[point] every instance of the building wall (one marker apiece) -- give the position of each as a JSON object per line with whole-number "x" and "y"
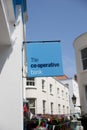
{"x": 54, "y": 97}
{"x": 73, "y": 89}
{"x": 79, "y": 44}
{"x": 11, "y": 109}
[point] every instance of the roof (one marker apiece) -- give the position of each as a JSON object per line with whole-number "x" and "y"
{"x": 61, "y": 77}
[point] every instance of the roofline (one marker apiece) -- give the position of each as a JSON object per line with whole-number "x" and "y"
{"x": 78, "y": 37}
{"x": 61, "y": 83}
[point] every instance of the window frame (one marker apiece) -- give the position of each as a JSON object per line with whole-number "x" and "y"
{"x": 58, "y": 92}
{"x": 84, "y": 58}
{"x": 86, "y": 92}
{"x": 51, "y": 107}
{"x": 63, "y": 109}
{"x": 30, "y": 81}
{"x": 32, "y": 107}
{"x": 51, "y": 88}
{"x": 44, "y": 106}
{"x": 43, "y": 84}
{"x": 59, "y": 110}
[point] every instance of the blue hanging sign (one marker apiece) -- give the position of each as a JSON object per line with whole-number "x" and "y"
{"x": 44, "y": 59}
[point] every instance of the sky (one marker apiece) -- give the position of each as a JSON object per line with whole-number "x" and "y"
{"x": 61, "y": 20}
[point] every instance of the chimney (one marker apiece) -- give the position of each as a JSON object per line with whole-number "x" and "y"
{"x": 75, "y": 77}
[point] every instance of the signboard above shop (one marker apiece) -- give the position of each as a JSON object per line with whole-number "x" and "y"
{"x": 44, "y": 59}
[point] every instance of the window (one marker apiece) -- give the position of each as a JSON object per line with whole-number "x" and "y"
{"x": 67, "y": 84}
{"x": 62, "y": 94}
{"x": 84, "y": 58}
{"x": 50, "y": 88}
{"x": 43, "y": 84}
{"x": 86, "y": 91}
{"x": 58, "y": 108}
{"x": 44, "y": 106}
{"x": 67, "y": 110}
{"x": 66, "y": 95}
{"x": 32, "y": 105}
{"x": 30, "y": 81}
{"x": 63, "y": 109}
{"x": 58, "y": 91}
{"x": 51, "y": 107}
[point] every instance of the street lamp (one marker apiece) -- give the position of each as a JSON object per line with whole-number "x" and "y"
{"x": 74, "y": 99}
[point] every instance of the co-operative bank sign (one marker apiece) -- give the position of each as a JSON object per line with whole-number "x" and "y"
{"x": 44, "y": 59}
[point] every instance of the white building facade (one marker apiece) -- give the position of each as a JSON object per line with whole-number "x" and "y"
{"x": 80, "y": 46}
{"x": 12, "y": 35}
{"x": 73, "y": 90}
{"x": 47, "y": 96}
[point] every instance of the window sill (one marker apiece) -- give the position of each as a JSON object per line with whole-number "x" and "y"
{"x": 83, "y": 71}
{"x": 31, "y": 87}
{"x": 51, "y": 94}
{"x": 44, "y": 91}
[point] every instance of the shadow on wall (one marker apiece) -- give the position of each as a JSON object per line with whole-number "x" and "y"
{"x": 5, "y": 52}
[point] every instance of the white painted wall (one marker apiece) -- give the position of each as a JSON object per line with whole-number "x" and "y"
{"x": 79, "y": 43}
{"x": 11, "y": 112}
{"x": 73, "y": 89}
{"x": 36, "y": 92}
